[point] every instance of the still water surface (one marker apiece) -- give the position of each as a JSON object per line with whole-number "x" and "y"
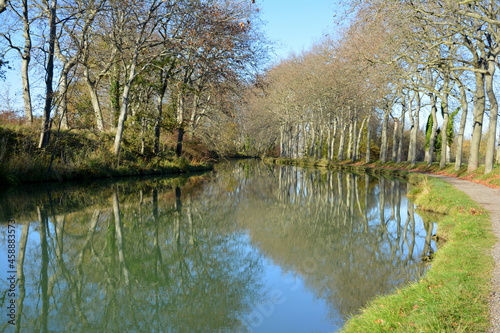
{"x": 246, "y": 248}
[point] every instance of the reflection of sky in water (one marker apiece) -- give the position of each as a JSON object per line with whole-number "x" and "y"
{"x": 289, "y": 305}
{"x": 289, "y": 296}
{"x": 295, "y": 308}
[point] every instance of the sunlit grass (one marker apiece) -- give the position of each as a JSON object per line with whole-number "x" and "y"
{"x": 453, "y": 296}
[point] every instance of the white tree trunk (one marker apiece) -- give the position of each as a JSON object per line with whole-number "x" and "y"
{"x": 415, "y": 124}
{"x": 340, "y": 155}
{"x": 123, "y": 110}
{"x": 332, "y": 143}
{"x": 352, "y": 124}
{"x": 383, "y": 144}
{"x": 394, "y": 139}
{"x": 94, "y": 98}
{"x": 26, "y": 58}
{"x": 477, "y": 127}
{"x": 461, "y": 130}
{"x": 400, "y": 134}
{"x": 444, "y": 128}
{"x": 492, "y": 129}
{"x": 358, "y": 141}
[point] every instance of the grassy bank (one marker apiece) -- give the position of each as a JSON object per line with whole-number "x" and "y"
{"x": 453, "y": 296}
{"x": 74, "y": 155}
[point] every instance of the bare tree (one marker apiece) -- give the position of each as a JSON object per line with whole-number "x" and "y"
{"x": 51, "y": 8}
{"x": 23, "y": 13}
{"x": 140, "y": 20}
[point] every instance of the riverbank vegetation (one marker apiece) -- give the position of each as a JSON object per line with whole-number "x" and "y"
{"x": 81, "y": 154}
{"x": 398, "y": 81}
{"x": 454, "y": 294}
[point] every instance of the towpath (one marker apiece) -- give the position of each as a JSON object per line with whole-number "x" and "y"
{"x": 489, "y": 198}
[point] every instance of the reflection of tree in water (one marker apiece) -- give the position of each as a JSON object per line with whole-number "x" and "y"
{"x": 155, "y": 258}
{"x": 168, "y": 255}
{"x": 344, "y": 234}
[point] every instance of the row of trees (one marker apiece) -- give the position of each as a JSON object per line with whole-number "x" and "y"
{"x": 398, "y": 63}
{"x": 143, "y": 66}
{"x": 112, "y": 65}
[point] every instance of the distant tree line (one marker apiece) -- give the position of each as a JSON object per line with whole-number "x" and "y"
{"x": 398, "y": 67}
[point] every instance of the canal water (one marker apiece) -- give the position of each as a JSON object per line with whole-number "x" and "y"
{"x": 248, "y": 247}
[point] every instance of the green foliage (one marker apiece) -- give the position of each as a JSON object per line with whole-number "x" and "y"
{"x": 428, "y": 131}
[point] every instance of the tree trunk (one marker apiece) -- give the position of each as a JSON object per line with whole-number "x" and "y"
{"x": 368, "y": 140}
{"x": 498, "y": 152}
{"x": 358, "y": 142}
{"x": 352, "y": 124}
{"x": 94, "y": 98}
{"x": 444, "y": 128}
{"x": 26, "y": 58}
{"x": 328, "y": 140}
{"x": 320, "y": 145}
{"x": 62, "y": 105}
{"x": 180, "y": 138}
{"x": 415, "y": 124}
{"x": 159, "y": 115}
{"x": 180, "y": 125}
{"x": 312, "y": 143}
{"x": 123, "y": 111}
{"x": 492, "y": 129}
{"x": 477, "y": 127}
{"x": 46, "y": 121}
{"x": 432, "y": 140}
{"x": 62, "y": 108}
{"x": 401, "y": 134}
{"x": 332, "y": 143}
{"x": 383, "y": 144}
{"x": 340, "y": 155}
{"x": 114, "y": 92}
{"x": 282, "y": 141}
{"x": 394, "y": 139}
{"x": 461, "y": 130}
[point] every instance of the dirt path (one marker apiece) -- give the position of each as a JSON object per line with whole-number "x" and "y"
{"x": 489, "y": 198}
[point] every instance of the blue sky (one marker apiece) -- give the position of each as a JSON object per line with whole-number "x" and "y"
{"x": 295, "y": 25}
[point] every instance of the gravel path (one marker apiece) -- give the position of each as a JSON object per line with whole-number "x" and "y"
{"x": 489, "y": 198}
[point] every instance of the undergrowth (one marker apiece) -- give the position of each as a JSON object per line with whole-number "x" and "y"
{"x": 76, "y": 154}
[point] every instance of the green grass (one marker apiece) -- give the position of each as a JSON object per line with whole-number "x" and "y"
{"x": 453, "y": 296}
